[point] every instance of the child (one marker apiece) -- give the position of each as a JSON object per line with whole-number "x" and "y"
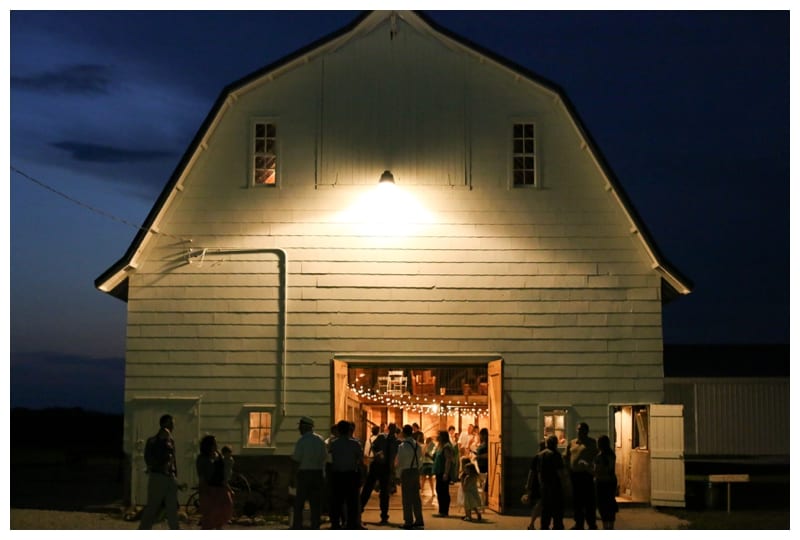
{"x": 227, "y": 460}
{"x": 469, "y": 486}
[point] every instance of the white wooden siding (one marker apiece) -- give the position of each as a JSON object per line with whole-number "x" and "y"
{"x": 385, "y": 108}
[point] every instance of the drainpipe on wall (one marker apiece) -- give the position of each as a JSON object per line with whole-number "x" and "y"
{"x": 283, "y": 263}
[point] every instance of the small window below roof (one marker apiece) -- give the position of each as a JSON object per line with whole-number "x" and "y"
{"x": 264, "y": 141}
{"x": 523, "y": 156}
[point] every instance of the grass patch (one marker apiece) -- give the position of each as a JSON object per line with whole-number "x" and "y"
{"x": 737, "y": 519}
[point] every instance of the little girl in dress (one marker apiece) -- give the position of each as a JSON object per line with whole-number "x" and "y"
{"x": 469, "y": 485}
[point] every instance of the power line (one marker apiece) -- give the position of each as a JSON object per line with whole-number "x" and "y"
{"x": 90, "y": 207}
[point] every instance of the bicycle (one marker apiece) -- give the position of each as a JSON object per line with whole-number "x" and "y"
{"x": 241, "y": 494}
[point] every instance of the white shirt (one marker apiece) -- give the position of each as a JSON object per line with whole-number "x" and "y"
{"x": 405, "y": 454}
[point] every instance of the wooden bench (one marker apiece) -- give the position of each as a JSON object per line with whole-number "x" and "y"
{"x": 728, "y": 479}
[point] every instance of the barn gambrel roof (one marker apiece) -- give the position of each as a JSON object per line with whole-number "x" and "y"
{"x": 115, "y": 279}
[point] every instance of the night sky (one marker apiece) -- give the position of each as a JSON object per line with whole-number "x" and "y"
{"x": 690, "y": 109}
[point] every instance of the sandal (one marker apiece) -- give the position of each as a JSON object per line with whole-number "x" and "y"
{"x": 466, "y": 518}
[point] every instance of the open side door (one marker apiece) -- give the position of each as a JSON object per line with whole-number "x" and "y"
{"x": 339, "y": 378}
{"x": 667, "y": 483}
{"x": 495, "y": 476}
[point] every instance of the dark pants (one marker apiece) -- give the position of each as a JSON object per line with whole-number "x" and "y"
{"x": 552, "y": 506}
{"x": 378, "y": 472}
{"x": 412, "y": 502}
{"x": 344, "y": 495}
{"x": 309, "y": 488}
{"x": 443, "y": 495}
{"x": 583, "y": 500}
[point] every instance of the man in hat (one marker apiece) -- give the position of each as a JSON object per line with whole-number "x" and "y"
{"x": 310, "y": 456}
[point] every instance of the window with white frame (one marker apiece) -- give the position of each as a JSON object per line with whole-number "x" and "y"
{"x": 257, "y": 432}
{"x": 554, "y": 422}
{"x": 265, "y": 154}
{"x": 523, "y": 162}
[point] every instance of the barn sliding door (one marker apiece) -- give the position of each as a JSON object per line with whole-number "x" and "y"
{"x": 495, "y": 476}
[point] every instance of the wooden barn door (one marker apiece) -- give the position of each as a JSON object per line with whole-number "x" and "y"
{"x": 495, "y": 476}
{"x": 339, "y": 378}
{"x": 667, "y": 481}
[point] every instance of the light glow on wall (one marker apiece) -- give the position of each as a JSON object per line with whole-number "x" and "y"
{"x": 387, "y": 210}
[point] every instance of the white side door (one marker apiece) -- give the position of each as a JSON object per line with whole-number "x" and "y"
{"x": 667, "y": 476}
{"x": 145, "y": 413}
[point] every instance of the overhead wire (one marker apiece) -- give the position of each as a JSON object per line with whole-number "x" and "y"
{"x": 92, "y": 208}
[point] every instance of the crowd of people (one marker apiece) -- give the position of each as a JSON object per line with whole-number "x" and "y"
{"x": 390, "y": 456}
{"x": 349, "y": 473}
{"x": 587, "y": 471}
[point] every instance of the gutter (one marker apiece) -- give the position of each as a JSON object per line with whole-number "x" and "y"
{"x": 284, "y": 302}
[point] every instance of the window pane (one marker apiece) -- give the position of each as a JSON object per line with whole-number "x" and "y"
{"x": 518, "y": 163}
{"x": 529, "y": 130}
{"x": 529, "y": 146}
{"x": 529, "y": 178}
{"x": 529, "y": 163}
{"x": 517, "y": 130}
{"x": 271, "y": 130}
{"x": 518, "y": 178}
{"x": 260, "y": 146}
{"x": 260, "y": 130}
{"x": 270, "y": 146}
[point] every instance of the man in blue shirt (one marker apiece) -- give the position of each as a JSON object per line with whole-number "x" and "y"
{"x": 310, "y": 455}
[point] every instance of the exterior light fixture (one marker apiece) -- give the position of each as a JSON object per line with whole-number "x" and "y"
{"x": 387, "y": 176}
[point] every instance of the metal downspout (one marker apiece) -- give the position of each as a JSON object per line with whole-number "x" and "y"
{"x": 283, "y": 263}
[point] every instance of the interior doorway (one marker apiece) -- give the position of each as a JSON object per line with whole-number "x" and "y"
{"x": 434, "y": 394}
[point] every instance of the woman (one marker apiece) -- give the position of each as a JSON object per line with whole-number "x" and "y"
{"x": 442, "y": 463}
{"x": 216, "y": 504}
{"x": 426, "y": 468}
{"x": 605, "y": 481}
{"x": 482, "y": 460}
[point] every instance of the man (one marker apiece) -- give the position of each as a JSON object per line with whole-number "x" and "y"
{"x": 162, "y": 471}
{"x": 380, "y": 470}
{"x": 368, "y": 445}
{"x": 550, "y": 470}
{"x": 580, "y": 456}
{"x": 409, "y": 455}
{"x": 346, "y": 458}
{"x": 451, "y": 432}
{"x": 310, "y": 456}
{"x": 464, "y": 441}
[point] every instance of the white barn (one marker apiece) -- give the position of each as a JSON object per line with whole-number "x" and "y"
{"x": 275, "y": 273}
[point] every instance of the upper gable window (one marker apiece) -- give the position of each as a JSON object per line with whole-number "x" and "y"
{"x": 523, "y": 159}
{"x": 265, "y": 154}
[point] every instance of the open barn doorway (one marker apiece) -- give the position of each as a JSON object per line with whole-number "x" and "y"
{"x": 434, "y": 393}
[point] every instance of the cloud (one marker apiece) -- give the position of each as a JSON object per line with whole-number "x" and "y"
{"x": 92, "y": 79}
{"x": 108, "y": 154}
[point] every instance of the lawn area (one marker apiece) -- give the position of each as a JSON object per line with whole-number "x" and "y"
{"x": 737, "y": 519}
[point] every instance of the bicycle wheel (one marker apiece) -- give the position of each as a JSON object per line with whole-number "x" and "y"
{"x": 193, "y": 505}
{"x": 241, "y": 492}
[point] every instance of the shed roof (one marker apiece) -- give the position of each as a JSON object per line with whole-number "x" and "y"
{"x": 115, "y": 279}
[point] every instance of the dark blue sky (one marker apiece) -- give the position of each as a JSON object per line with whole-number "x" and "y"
{"x": 690, "y": 109}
